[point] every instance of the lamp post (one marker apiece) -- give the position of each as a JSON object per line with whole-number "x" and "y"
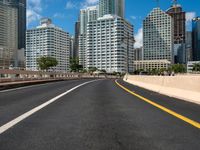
{"x": 127, "y": 41}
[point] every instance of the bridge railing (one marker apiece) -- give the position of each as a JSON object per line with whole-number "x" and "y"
{"x": 11, "y": 75}
{"x": 8, "y": 75}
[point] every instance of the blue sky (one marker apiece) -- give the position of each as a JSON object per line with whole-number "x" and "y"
{"x": 64, "y": 13}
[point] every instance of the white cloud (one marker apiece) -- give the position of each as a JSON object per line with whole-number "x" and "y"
{"x": 139, "y": 38}
{"x": 189, "y": 17}
{"x": 91, "y": 1}
{"x": 34, "y": 9}
{"x": 58, "y": 15}
{"x": 79, "y": 5}
{"x": 71, "y": 5}
{"x": 133, "y": 17}
{"x": 35, "y": 4}
{"x": 88, "y": 3}
{"x": 32, "y": 16}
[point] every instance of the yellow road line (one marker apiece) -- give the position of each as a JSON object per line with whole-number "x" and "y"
{"x": 181, "y": 117}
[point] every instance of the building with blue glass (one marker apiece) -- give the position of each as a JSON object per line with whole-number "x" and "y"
{"x": 196, "y": 38}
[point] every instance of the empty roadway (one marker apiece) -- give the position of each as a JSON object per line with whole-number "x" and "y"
{"x": 99, "y": 115}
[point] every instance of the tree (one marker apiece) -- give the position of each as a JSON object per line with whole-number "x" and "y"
{"x": 178, "y": 68}
{"x": 46, "y": 62}
{"x": 92, "y": 69}
{"x": 74, "y": 65}
{"x": 103, "y": 71}
{"x": 196, "y": 67}
{"x": 154, "y": 71}
{"x": 137, "y": 72}
{"x": 162, "y": 71}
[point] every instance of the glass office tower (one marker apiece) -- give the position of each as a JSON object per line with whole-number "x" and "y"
{"x": 196, "y": 38}
{"x": 113, "y": 7}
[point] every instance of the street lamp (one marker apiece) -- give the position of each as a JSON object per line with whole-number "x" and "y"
{"x": 126, "y": 40}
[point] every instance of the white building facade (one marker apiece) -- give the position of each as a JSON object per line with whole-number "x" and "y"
{"x": 110, "y": 44}
{"x": 47, "y": 40}
{"x": 158, "y": 36}
{"x": 147, "y": 65}
{"x": 86, "y": 15}
{"x": 190, "y": 65}
{"x": 106, "y": 39}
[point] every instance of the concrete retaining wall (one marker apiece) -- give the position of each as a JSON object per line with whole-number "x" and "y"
{"x": 185, "y": 87}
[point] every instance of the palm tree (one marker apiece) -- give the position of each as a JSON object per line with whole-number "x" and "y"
{"x": 196, "y": 67}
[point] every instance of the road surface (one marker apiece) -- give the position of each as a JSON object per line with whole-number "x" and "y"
{"x": 95, "y": 115}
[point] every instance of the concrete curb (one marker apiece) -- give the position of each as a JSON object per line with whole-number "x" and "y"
{"x": 6, "y": 86}
{"x": 10, "y": 85}
{"x": 161, "y": 86}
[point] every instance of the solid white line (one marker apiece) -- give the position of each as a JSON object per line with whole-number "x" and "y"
{"x": 36, "y": 109}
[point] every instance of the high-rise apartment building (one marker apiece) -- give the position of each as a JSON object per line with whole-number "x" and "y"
{"x": 158, "y": 36}
{"x": 86, "y": 15}
{"x": 196, "y": 38}
{"x": 179, "y": 19}
{"x": 106, "y": 39}
{"x": 47, "y": 40}
{"x": 113, "y": 7}
{"x": 8, "y": 34}
{"x": 109, "y": 44}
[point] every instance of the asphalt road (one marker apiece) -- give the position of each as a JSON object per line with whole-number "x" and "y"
{"x": 95, "y": 116}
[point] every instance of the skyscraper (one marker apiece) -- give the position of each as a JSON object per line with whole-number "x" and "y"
{"x": 196, "y": 38}
{"x": 72, "y": 47}
{"x": 20, "y": 5}
{"x": 86, "y": 15}
{"x": 47, "y": 40}
{"x": 158, "y": 36}
{"x": 76, "y": 39}
{"x": 113, "y": 7}
{"x": 179, "y": 18}
{"x": 8, "y": 34}
{"x": 188, "y": 42}
{"x": 138, "y": 54}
